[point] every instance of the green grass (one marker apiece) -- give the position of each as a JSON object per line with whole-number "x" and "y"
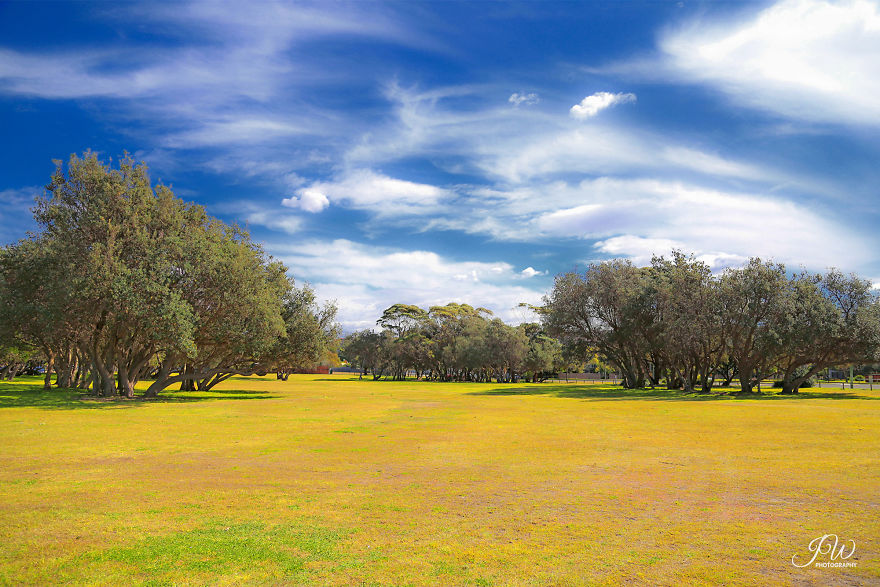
{"x": 335, "y": 481}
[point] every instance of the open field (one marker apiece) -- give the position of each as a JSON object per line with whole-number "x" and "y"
{"x": 331, "y": 480}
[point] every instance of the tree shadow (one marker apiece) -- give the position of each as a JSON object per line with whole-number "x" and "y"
{"x": 599, "y": 392}
{"x": 350, "y": 378}
{"x": 23, "y": 395}
{"x": 221, "y": 392}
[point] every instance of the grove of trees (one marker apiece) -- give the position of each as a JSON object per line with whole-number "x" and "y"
{"x": 675, "y": 320}
{"x": 455, "y": 342}
{"x": 124, "y": 281}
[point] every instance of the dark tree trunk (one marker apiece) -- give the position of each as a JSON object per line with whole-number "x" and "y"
{"x": 50, "y": 366}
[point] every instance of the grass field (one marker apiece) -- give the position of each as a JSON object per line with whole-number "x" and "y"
{"x": 328, "y": 480}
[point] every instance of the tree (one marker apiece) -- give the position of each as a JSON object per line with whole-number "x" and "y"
{"x": 750, "y": 301}
{"x": 609, "y": 309}
{"x": 825, "y": 321}
{"x": 124, "y": 276}
{"x": 310, "y": 331}
{"x": 544, "y": 354}
{"x": 363, "y": 348}
{"x": 690, "y": 338}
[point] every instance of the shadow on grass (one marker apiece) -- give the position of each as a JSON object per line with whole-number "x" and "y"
{"x": 596, "y": 392}
{"x": 23, "y": 395}
{"x": 353, "y": 377}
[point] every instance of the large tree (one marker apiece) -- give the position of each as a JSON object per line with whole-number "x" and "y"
{"x": 125, "y": 279}
{"x": 690, "y": 338}
{"x": 750, "y": 303}
{"x": 825, "y": 320}
{"x": 609, "y": 309}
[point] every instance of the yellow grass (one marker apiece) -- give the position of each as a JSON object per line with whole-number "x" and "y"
{"x": 331, "y": 480}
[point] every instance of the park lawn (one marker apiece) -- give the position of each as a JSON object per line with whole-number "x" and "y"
{"x": 333, "y": 481}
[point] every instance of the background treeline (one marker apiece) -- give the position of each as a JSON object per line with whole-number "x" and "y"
{"x": 125, "y": 281}
{"x": 675, "y": 320}
{"x": 454, "y": 342}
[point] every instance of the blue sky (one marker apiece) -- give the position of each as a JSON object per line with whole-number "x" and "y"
{"x": 435, "y": 152}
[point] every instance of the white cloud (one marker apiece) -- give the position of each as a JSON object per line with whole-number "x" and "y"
{"x": 637, "y": 218}
{"x": 531, "y": 272}
{"x": 529, "y": 99}
{"x": 368, "y": 190}
{"x": 516, "y": 145}
{"x": 309, "y": 200}
{"x": 234, "y": 132}
{"x": 595, "y": 103}
{"x": 804, "y": 59}
{"x": 273, "y": 221}
{"x": 366, "y": 279}
{"x": 21, "y": 197}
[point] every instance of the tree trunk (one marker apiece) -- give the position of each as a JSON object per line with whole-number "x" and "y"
{"x": 50, "y": 366}
{"x": 126, "y": 387}
{"x": 745, "y": 378}
{"x": 687, "y": 381}
{"x": 106, "y": 387}
{"x": 161, "y": 378}
{"x": 673, "y": 381}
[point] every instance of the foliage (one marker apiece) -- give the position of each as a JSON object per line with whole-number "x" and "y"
{"x": 676, "y": 321}
{"x": 455, "y": 342}
{"x": 125, "y": 280}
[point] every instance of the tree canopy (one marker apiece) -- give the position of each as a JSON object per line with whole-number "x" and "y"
{"x": 126, "y": 280}
{"x": 454, "y": 342}
{"x": 677, "y": 320}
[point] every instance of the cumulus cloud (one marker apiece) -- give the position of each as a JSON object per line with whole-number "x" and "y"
{"x": 529, "y": 99}
{"x": 805, "y": 59}
{"x": 531, "y": 272}
{"x": 309, "y": 200}
{"x": 592, "y": 105}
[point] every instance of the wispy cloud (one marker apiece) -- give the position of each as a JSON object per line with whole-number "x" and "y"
{"x": 272, "y": 221}
{"x": 804, "y": 59}
{"x": 637, "y": 217}
{"x": 529, "y": 99}
{"x": 516, "y": 145}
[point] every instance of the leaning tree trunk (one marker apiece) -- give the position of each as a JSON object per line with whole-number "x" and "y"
{"x": 126, "y": 387}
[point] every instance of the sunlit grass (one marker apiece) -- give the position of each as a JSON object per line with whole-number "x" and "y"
{"x": 331, "y": 480}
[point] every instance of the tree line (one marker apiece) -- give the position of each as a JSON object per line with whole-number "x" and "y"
{"x": 455, "y": 342}
{"x": 675, "y": 320}
{"x": 124, "y": 281}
